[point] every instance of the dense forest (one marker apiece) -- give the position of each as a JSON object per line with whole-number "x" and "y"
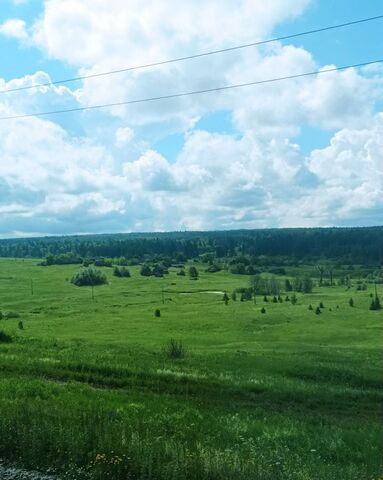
{"x": 354, "y": 245}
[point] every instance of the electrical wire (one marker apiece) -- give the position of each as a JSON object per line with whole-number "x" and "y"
{"x": 198, "y": 55}
{"x": 195, "y": 92}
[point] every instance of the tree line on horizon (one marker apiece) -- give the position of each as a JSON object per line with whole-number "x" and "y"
{"x": 351, "y": 245}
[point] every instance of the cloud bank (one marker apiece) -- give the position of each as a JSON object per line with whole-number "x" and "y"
{"x": 99, "y": 171}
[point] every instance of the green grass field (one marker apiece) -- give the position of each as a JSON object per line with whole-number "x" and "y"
{"x": 87, "y": 389}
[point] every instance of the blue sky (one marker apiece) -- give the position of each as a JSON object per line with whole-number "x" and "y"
{"x": 297, "y": 153}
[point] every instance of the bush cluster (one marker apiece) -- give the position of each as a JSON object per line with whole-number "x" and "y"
{"x": 89, "y": 277}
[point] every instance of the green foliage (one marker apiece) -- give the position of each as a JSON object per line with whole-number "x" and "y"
{"x": 288, "y": 244}
{"x": 234, "y": 296}
{"x": 213, "y": 268}
{"x": 10, "y": 314}
{"x": 302, "y": 284}
{"x": 321, "y": 305}
{"x": 175, "y": 349}
{"x": 146, "y": 271}
{"x": 265, "y": 286}
{"x": 193, "y": 272}
{"x": 288, "y": 285}
{"x": 277, "y": 270}
{"x": 225, "y": 298}
{"x": 310, "y": 307}
{"x": 87, "y": 387}
{"x": 157, "y": 312}
{"x": 318, "y": 311}
{"x": 375, "y": 303}
{"x": 89, "y": 277}
{"x": 159, "y": 270}
{"x": 103, "y": 262}
{"x": 62, "y": 259}
{"x": 181, "y": 272}
{"x": 5, "y": 338}
{"x": 294, "y": 299}
{"x": 263, "y": 310}
{"x": 121, "y": 272}
{"x": 351, "y": 302}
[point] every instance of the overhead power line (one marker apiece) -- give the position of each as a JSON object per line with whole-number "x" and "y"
{"x": 198, "y": 55}
{"x": 195, "y": 92}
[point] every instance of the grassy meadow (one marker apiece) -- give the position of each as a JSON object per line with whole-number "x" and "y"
{"x": 88, "y": 390}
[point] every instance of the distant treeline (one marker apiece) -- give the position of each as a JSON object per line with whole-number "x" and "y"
{"x": 352, "y": 245}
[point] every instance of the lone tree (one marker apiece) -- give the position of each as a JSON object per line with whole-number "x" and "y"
{"x": 225, "y": 298}
{"x": 234, "y": 296}
{"x": 294, "y": 299}
{"x": 321, "y": 269}
{"x": 375, "y": 303}
{"x": 351, "y": 302}
{"x": 89, "y": 277}
{"x": 193, "y": 272}
{"x": 318, "y": 311}
{"x": 263, "y": 310}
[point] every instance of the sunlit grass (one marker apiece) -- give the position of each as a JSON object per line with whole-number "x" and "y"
{"x": 283, "y": 395}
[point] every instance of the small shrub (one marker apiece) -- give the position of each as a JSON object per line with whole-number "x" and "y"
{"x": 351, "y": 302}
{"x": 265, "y": 299}
{"x": 181, "y": 273}
{"x": 310, "y": 307}
{"x": 146, "y": 271}
{"x": 321, "y": 305}
{"x": 294, "y": 299}
{"x": 11, "y": 314}
{"x": 318, "y": 311}
{"x": 5, "y": 338}
{"x": 121, "y": 272}
{"x": 21, "y": 325}
{"x": 263, "y": 310}
{"x": 157, "y": 312}
{"x": 287, "y": 299}
{"x": 234, "y": 296}
{"x": 275, "y": 300}
{"x": 375, "y": 304}
{"x": 225, "y": 298}
{"x": 213, "y": 268}
{"x": 89, "y": 277}
{"x": 175, "y": 349}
